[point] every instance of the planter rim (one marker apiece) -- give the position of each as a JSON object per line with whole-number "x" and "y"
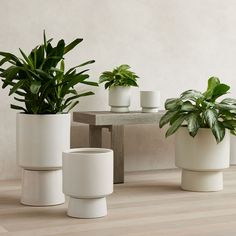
{"x": 120, "y": 86}
{"x": 90, "y": 152}
{"x": 34, "y": 115}
{"x": 154, "y": 90}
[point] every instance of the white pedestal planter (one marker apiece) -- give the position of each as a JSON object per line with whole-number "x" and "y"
{"x": 150, "y": 101}
{"x": 41, "y": 139}
{"x": 201, "y": 159}
{"x": 87, "y": 180}
{"x": 119, "y": 98}
{"x": 232, "y": 150}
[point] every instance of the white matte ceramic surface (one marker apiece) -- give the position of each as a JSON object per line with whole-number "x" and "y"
{"x": 88, "y": 176}
{"x": 87, "y": 208}
{"x": 42, "y": 188}
{"x": 201, "y": 159}
{"x": 40, "y": 142}
{"x": 41, "y": 139}
{"x": 150, "y": 101}
{"x": 202, "y": 180}
{"x": 119, "y": 98}
{"x": 233, "y": 150}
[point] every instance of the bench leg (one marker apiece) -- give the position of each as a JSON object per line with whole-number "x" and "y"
{"x": 95, "y": 136}
{"x": 117, "y": 144}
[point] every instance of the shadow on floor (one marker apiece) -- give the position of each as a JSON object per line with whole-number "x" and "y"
{"x": 150, "y": 187}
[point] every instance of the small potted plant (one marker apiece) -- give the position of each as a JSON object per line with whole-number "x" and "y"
{"x": 45, "y": 90}
{"x": 202, "y": 125}
{"x": 119, "y": 81}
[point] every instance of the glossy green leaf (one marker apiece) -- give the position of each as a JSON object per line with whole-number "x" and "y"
{"x": 218, "y": 131}
{"x": 210, "y": 116}
{"x": 73, "y": 44}
{"x": 176, "y": 124}
{"x": 193, "y": 124}
{"x": 173, "y": 104}
{"x": 187, "y": 106}
{"x": 167, "y": 117}
{"x": 212, "y": 83}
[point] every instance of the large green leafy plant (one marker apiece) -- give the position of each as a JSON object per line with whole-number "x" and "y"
{"x": 120, "y": 76}
{"x": 39, "y": 80}
{"x": 202, "y": 110}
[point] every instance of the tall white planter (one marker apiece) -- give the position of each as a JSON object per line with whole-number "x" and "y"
{"x": 201, "y": 159}
{"x": 150, "y": 101}
{"x": 87, "y": 180}
{"x": 119, "y": 98}
{"x": 41, "y": 139}
{"x": 232, "y": 149}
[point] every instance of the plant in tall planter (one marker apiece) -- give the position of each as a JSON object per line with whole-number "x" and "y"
{"x": 202, "y": 125}
{"x": 119, "y": 81}
{"x": 45, "y": 94}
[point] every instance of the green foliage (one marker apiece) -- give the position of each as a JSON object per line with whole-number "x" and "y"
{"x": 201, "y": 110}
{"x": 120, "y": 76}
{"x": 40, "y": 81}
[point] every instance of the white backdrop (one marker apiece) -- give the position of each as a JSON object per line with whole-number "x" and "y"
{"x": 173, "y": 45}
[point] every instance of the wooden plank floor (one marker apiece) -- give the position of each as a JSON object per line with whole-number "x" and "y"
{"x": 149, "y": 203}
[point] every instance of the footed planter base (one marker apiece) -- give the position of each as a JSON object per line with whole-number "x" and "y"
{"x": 42, "y": 188}
{"x": 87, "y": 208}
{"x": 149, "y": 110}
{"x": 202, "y": 180}
{"x": 119, "y": 109}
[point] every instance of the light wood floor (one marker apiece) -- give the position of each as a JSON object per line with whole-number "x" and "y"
{"x": 149, "y": 203}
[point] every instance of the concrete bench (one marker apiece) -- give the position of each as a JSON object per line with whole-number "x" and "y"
{"x": 97, "y": 120}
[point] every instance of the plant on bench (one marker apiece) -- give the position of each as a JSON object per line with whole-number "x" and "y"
{"x": 119, "y": 81}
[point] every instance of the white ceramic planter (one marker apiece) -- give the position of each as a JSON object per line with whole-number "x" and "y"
{"x": 87, "y": 180}
{"x": 150, "y": 101}
{"x": 41, "y": 139}
{"x": 119, "y": 98}
{"x": 232, "y": 150}
{"x": 201, "y": 159}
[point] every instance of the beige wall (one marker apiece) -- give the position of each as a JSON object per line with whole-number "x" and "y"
{"x": 172, "y": 44}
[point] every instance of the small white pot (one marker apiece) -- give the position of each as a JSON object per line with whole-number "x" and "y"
{"x": 201, "y": 159}
{"x": 119, "y": 98}
{"x": 41, "y": 139}
{"x": 232, "y": 150}
{"x": 87, "y": 180}
{"x": 150, "y": 101}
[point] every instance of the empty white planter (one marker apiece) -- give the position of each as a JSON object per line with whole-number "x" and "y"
{"x": 87, "y": 180}
{"x": 150, "y": 101}
{"x": 201, "y": 159}
{"x": 119, "y": 98}
{"x": 232, "y": 149}
{"x": 41, "y": 139}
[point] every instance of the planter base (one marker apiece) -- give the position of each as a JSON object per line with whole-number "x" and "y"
{"x": 119, "y": 109}
{"x": 149, "y": 110}
{"x": 87, "y": 208}
{"x": 42, "y": 188}
{"x": 202, "y": 180}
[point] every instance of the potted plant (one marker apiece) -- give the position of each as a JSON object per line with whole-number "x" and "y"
{"x": 202, "y": 125}
{"x": 119, "y": 81}
{"x": 45, "y": 90}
